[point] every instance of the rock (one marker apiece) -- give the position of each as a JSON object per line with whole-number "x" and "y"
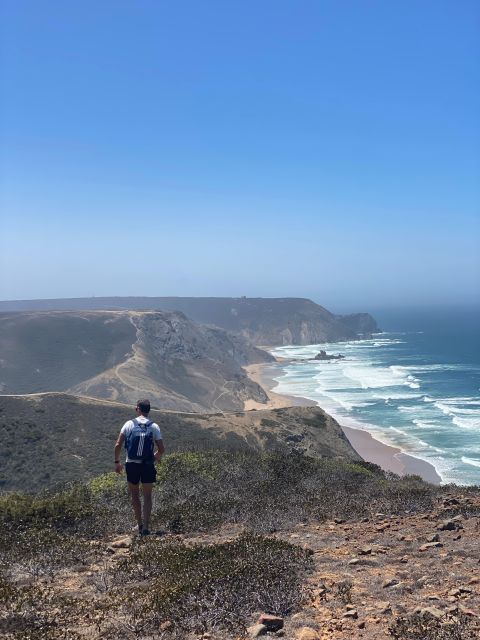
{"x": 361, "y": 625}
{"x": 351, "y": 613}
{"x": 433, "y": 538}
{"x": 354, "y": 561}
{"x": 307, "y": 633}
{"x": 297, "y": 616}
{"x": 433, "y": 611}
{"x": 384, "y": 607}
{"x": 273, "y": 623}
{"x": 468, "y": 612}
{"x": 338, "y": 520}
{"x": 390, "y": 583}
{"x": 404, "y": 559}
{"x": 122, "y": 543}
{"x": 365, "y": 551}
{"x": 453, "y": 609}
{"x": 449, "y": 525}
{"x": 422, "y": 581}
{"x": 257, "y": 630}
{"x": 430, "y": 545}
{"x": 450, "y": 502}
{"x": 464, "y": 589}
{"x": 323, "y": 355}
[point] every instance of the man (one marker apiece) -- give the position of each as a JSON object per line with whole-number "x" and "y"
{"x": 141, "y": 436}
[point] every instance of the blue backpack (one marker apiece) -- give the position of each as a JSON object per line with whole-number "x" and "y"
{"x": 139, "y": 442}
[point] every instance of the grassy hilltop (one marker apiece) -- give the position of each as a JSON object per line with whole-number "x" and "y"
{"x": 56, "y": 437}
{"x": 336, "y": 548}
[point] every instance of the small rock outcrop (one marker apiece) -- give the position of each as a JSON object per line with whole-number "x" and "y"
{"x": 323, "y": 355}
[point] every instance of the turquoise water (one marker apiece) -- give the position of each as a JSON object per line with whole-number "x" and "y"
{"x": 415, "y": 386}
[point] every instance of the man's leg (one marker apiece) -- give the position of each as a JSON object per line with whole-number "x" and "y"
{"x": 137, "y": 507}
{"x": 147, "y": 504}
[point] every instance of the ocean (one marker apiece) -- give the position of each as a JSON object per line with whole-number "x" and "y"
{"x": 415, "y": 386}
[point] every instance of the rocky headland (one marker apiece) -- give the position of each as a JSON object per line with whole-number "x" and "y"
{"x": 263, "y": 321}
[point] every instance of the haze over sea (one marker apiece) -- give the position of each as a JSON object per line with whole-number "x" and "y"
{"x": 415, "y": 386}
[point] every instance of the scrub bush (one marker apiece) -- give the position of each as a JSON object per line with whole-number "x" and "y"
{"x": 207, "y": 587}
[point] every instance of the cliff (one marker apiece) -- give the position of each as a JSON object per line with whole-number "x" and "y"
{"x": 263, "y": 321}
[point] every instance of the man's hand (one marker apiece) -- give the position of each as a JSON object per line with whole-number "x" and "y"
{"x": 160, "y": 450}
{"x": 116, "y": 453}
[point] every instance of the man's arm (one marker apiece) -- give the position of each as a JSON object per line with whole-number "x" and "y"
{"x": 116, "y": 452}
{"x": 160, "y": 450}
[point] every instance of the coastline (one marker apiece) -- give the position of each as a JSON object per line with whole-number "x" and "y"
{"x": 389, "y": 458}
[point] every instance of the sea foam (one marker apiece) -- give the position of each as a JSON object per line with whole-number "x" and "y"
{"x": 387, "y": 386}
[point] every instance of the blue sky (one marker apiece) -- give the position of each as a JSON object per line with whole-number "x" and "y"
{"x": 327, "y": 149}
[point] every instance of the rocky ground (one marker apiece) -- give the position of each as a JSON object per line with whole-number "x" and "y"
{"x": 366, "y": 574}
{"x": 369, "y": 573}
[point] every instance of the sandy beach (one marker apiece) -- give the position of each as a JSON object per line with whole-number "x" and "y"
{"x": 369, "y": 448}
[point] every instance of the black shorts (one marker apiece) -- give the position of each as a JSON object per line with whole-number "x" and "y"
{"x": 140, "y": 472}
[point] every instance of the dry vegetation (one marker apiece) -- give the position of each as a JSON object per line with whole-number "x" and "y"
{"x": 72, "y": 437}
{"x": 238, "y": 534}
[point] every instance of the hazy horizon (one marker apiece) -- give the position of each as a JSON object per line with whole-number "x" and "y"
{"x": 282, "y": 149}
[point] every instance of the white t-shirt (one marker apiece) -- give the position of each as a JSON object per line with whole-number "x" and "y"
{"x": 128, "y": 426}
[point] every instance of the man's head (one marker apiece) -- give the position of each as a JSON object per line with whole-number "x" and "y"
{"x": 143, "y": 407}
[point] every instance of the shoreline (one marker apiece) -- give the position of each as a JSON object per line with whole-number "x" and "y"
{"x": 388, "y": 457}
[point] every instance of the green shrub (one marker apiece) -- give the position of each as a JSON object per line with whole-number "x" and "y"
{"x": 106, "y": 485}
{"x": 206, "y": 464}
{"x": 274, "y": 490}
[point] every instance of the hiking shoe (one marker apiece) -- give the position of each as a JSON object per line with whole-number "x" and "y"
{"x": 145, "y": 532}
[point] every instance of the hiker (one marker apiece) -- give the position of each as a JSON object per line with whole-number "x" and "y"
{"x": 140, "y": 436}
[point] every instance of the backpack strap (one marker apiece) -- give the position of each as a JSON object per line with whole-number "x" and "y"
{"x": 135, "y": 424}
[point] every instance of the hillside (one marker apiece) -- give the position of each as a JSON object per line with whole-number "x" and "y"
{"x": 57, "y": 437}
{"x": 123, "y": 355}
{"x": 263, "y": 321}
{"x": 244, "y": 544}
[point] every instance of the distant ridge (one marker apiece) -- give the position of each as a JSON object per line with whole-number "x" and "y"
{"x": 263, "y": 321}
